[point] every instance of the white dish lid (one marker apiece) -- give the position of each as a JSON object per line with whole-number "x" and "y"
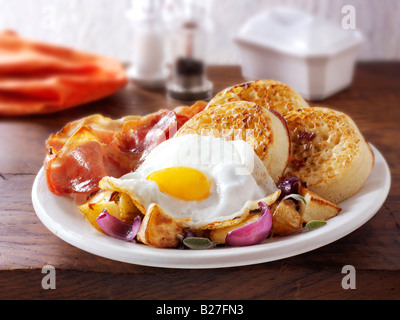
{"x": 296, "y": 32}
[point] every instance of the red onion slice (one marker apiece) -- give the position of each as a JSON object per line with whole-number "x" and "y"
{"x": 118, "y": 229}
{"x": 254, "y": 232}
{"x": 290, "y": 185}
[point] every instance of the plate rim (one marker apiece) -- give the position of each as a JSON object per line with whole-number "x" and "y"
{"x": 210, "y": 259}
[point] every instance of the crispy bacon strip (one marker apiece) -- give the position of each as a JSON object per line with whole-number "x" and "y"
{"x": 87, "y": 150}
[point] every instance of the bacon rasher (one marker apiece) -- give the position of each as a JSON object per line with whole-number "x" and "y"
{"x": 87, "y": 150}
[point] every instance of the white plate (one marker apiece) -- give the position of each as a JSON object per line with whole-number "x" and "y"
{"x": 61, "y": 216}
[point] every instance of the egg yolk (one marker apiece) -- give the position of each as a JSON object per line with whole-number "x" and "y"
{"x": 183, "y": 183}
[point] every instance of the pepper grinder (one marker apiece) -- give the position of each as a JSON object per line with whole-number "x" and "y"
{"x": 149, "y": 68}
{"x": 188, "y": 37}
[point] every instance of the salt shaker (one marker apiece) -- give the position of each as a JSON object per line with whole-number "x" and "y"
{"x": 149, "y": 47}
{"x": 188, "y": 47}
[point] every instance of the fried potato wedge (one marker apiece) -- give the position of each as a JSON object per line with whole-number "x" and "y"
{"x": 117, "y": 204}
{"x": 95, "y": 206}
{"x": 286, "y": 218}
{"x": 317, "y": 207}
{"x": 127, "y": 209}
{"x": 158, "y": 229}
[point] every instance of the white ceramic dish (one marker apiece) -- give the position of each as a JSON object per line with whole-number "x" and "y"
{"x": 313, "y": 56}
{"x": 60, "y": 216}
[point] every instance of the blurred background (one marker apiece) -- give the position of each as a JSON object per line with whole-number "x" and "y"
{"x": 102, "y": 26}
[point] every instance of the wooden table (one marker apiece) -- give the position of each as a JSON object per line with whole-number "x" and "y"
{"x": 26, "y": 246}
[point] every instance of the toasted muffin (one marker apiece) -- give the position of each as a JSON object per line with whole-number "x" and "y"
{"x": 265, "y": 131}
{"x": 328, "y": 152}
{"x": 270, "y": 94}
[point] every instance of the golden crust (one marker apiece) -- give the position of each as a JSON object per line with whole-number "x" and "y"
{"x": 231, "y": 120}
{"x": 159, "y": 230}
{"x": 316, "y": 207}
{"x": 259, "y": 127}
{"x": 328, "y": 152}
{"x": 269, "y": 94}
{"x": 286, "y": 218}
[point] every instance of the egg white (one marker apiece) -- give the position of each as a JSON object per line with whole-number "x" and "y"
{"x": 237, "y": 173}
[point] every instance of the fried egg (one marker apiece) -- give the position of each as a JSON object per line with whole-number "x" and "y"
{"x": 201, "y": 180}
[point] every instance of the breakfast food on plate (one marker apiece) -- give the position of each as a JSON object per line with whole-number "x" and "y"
{"x": 315, "y": 207}
{"x": 87, "y": 150}
{"x": 201, "y": 181}
{"x": 328, "y": 152}
{"x": 255, "y": 162}
{"x": 286, "y": 217}
{"x": 269, "y": 94}
{"x": 119, "y": 205}
{"x": 265, "y": 131}
{"x": 159, "y": 230}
